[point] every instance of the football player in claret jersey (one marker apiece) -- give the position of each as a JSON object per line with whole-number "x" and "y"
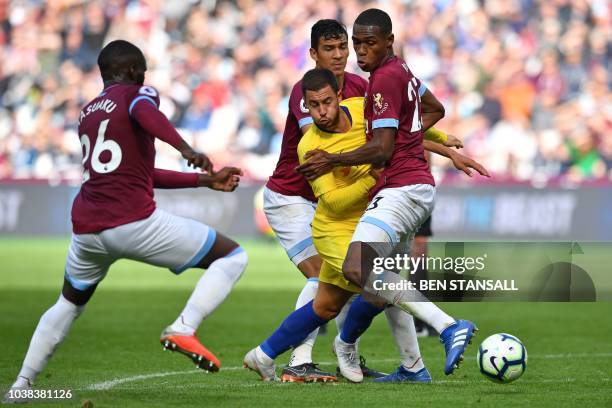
{"x": 114, "y": 214}
{"x": 403, "y": 197}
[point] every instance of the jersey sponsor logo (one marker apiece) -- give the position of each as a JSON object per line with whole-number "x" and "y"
{"x": 380, "y": 106}
{"x": 303, "y": 107}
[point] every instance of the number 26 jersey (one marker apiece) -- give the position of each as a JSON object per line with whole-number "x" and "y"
{"x": 118, "y": 161}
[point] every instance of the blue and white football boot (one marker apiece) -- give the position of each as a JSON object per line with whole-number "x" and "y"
{"x": 455, "y": 338}
{"x": 403, "y": 375}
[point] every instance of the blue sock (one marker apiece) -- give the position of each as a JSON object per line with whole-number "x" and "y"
{"x": 358, "y": 319}
{"x": 296, "y": 327}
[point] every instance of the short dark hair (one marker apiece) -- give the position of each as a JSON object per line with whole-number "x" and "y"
{"x": 115, "y": 53}
{"x": 327, "y": 29}
{"x": 317, "y": 79}
{"x": 377, "y": 18}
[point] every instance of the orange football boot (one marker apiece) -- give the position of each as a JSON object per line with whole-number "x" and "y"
{"x": 190, "y": 346}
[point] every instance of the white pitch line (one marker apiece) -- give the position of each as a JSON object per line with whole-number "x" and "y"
{"x": 107, "y": 385}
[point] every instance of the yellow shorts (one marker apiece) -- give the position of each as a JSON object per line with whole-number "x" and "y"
{"x": 332, "y": 247}
{"x": 334, "y": 276}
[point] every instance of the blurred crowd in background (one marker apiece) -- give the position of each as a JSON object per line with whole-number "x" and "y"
{"x": 526, "y": 83}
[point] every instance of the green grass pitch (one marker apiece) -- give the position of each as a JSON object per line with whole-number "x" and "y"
{"x": 112, "y": 357}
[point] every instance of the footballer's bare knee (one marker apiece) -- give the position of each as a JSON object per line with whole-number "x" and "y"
{"x": 326, "y": 310}
{"x": 310, "y": 267}
{"x": 329, "y": 300}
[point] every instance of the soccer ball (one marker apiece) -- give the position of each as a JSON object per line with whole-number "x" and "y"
{"x": 502, "y": 358}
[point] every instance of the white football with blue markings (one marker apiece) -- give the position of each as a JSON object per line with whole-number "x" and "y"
{"x": 502, "y": 358}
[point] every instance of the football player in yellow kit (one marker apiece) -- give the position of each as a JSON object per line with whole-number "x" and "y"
{"x": 342, "y": 199}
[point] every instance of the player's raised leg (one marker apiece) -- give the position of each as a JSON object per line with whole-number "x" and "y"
{"x": 224, "y": 263}
{"x": 180, "y": 243}
{"x": 395, "y": 215}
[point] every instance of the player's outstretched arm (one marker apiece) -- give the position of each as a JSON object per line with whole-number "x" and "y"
{"x": 227, "y": 179}
{"x": 461, "y": 162}
{"x": 168, "y": 179}
{"x": 378, "y": 150}
{"x": 453, "y": 141}
{"x": 155, "y": 123}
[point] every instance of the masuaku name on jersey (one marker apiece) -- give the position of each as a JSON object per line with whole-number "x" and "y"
{"x": 105, "y": 104}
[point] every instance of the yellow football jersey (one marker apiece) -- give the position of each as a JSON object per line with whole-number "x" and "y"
{"x": 342, "y": 193}
{"x": 340, "y": 177}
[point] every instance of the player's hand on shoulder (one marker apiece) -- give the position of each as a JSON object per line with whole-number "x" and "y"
{"x": 226, "y": 179}
{"x": 453, "y": 141}
{"x": 465, "y": 164}
{"x": 318, "y": 162}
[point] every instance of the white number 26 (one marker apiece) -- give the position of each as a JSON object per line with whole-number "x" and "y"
{"x": 101, "y": 146}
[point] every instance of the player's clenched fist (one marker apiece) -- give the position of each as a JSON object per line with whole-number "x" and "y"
{"x": 226, "y": 179}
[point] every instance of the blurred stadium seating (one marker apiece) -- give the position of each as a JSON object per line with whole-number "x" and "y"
{"x": 526, "y": 83}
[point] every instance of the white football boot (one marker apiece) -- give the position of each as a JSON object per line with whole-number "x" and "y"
{"x": 15, "y": 394}
{"x": 348, "y": 360}
{"x": 256, "y": 360}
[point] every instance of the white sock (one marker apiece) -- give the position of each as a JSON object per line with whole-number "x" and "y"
{"x": 22, "y": 382}
{"x": 402, "y": 327}
{"x": 210, "y": 291}
{"x": 341, "y": 318}
{"x": 302, "y": 354}
{"x": 411, "y": 301}
{"x": 263, "y": 357}
{"x": 429, "y": 313}
{"x": 52, "y": 328}
{"x": 343, "y": 343}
